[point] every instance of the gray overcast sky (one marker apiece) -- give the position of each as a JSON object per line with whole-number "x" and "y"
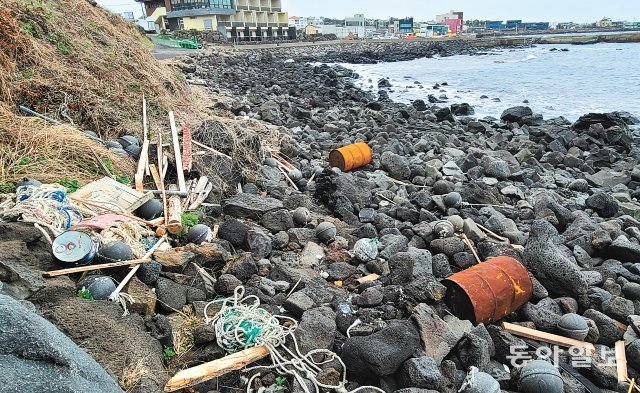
{"x": 528, "y": 10}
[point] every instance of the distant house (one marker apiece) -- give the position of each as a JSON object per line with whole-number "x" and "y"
{"x": 454, "y": 20}
{"x": 312, "y": 30}
{"x": 253, "y": 20}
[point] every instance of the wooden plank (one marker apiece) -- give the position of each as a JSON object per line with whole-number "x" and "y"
{"x": 176, "y": 151}
{"x": 621, "y": 362}
{"x": 107, "y": 192}
{"x": 207, "y": 371}
{"x": 145, "y": 129}
{"x": 145, "y": 132}
{"x": 546, "y": 337}
{"x": 142, "y": 164}
{"x": 187, "y": 160}
{"x": 87, "y": 268}
{"x": 174, "y": 224}
{"x": 161, "y": 176}
{"x": 156, "y": 176}
{"x": 201, "y": 196}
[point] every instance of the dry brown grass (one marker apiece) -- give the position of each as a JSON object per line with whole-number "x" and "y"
{"x": 84, "y": 65}
{"x": 30, "y": 147}
{"x": 133, "y": 375}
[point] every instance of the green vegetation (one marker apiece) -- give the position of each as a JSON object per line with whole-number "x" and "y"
{"x": 124, "y": 179}
{"x": 70, "y": 185}
{"x": 280, "y": 381}
{"x": 188, "y": 220}
{"x": 7, "y": 187}
{"x": 169, "y": 353}
{"x": 84, "y": 294}
{"x": 135, "y": 85}
{"x": 29, "y": 27}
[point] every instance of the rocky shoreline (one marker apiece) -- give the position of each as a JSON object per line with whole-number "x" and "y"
{"x": 566, "y": 193}
{"x": 560, "y": 198}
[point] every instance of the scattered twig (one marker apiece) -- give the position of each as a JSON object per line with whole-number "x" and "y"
{"x": 470, "y": 245}
{"x": 289, "y": 179}
{"x": 211, "y": 149}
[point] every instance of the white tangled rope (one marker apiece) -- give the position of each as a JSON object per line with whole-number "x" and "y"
{"x": 241, "y": 324}
{"x": 470, "y": 379}
{"x": 46, "y": 205}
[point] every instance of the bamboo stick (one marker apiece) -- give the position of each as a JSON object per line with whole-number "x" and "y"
{"x": 211, "y": 149}
{"x": 116, "y": 292}
{"x": 87, "y": 268}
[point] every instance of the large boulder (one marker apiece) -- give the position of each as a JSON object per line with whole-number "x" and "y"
{"x": 610, "y": 128}
{"x": 544, "y": 258}
{"x": 37, "y": 357}
{"x": 516, "y": 113}
{"x": 250, "y": 206}
{"x": 381, "y": 353}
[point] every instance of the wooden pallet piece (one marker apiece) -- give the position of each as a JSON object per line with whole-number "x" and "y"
{"x": 546, "y": 337}
{"x": 110, "y": 193}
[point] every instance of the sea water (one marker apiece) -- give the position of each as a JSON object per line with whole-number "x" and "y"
{"x": 581, "y": 79}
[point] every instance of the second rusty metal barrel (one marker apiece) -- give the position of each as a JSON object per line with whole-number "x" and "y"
{"x": 350, "y": 157}
{"x": 489, "y": 291}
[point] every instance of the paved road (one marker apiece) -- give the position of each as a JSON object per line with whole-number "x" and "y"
{"x": 162, "y": 52}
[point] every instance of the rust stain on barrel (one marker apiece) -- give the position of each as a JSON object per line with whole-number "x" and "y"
{"x": 489, "y": 291}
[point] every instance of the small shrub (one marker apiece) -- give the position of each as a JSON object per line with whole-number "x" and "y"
{"x": 169, "y": 353}
{"x": 7, "y": 187}
{"x": 84, "y": 294}
{"x": 124, "y": 179}
{"x": 70, "y": 185}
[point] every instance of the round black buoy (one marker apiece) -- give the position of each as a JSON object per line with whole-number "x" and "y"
{"x": 452, "y": 199}
{"x": 133, "y": 151}
{"x": 326, "y": 232}
{"x": 573, "y": 326}
{"x": 295, "y": 175}
{"x": 113, "y": 144}
{"x": 479, "y": 382}
{"x": 114, "y": 252}
{"x": 100, "y": 287}
{"x": 301, "y": 216}
{"x": 127, "y": 140}
{"x": 199, "y": 234}
{"x": 443, "y": 229}
{"x": 150, "y": 209}
{"x": 270, "y": 161}
{"x": 28, "y": 182}
{"x": 539, "y": 376}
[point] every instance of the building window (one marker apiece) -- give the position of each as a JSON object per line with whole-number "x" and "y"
{"x": 178, "y": 5}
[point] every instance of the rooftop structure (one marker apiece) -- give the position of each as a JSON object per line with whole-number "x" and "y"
{"x": 243, "y": 19}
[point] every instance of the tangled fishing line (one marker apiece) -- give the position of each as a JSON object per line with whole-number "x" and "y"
{"x": 46, "y": 205}
{"x": 241, "y": 324}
